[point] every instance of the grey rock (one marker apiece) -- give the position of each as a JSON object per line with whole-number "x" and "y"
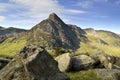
{"x": 82, "y": 62}
{"x": 32, "y": 63}
{"x": 53, "y": 32}
{"x": 108, "y": 74}
{"x": 64, "y": 62}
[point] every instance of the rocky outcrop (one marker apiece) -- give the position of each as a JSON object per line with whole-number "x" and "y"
{"x": 54, "y": 33}
{"x": 64, "y": 62}
{"x": 108, "y": 74}
{"x": 32, "y": 63}
{"x": 81, "y": 62}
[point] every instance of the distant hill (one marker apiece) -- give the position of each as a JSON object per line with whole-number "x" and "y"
{"x": 101, "y": 41}
{"x": 10, "y": 30}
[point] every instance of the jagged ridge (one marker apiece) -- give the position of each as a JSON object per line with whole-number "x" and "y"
{"x": 53, "y": 32}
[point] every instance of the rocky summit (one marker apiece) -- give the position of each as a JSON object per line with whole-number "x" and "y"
{"x": 53, "y": 32}
{"x": 32, "y": 63}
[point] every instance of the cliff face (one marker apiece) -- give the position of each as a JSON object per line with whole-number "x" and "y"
{"x": 53, "y": 32}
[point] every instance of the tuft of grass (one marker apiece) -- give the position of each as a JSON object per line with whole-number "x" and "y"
{"x": 9, "y": 47}
{"x": 83, "y": 75}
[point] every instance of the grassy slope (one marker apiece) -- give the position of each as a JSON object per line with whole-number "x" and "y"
{"x": 95, "y": 45}
{"x": 84, "y": 75}
{"x": 9, "y": 47}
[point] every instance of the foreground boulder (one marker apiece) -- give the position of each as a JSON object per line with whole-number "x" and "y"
{"x": 81, "y": 62}
{"x": 108, "y": 74}
{"x": 32, "y": 63}
{"x": 64, "y": 62}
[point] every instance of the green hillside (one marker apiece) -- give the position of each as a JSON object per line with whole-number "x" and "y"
{"x": 101, "y": 41}
{"x": 10, "y": 46}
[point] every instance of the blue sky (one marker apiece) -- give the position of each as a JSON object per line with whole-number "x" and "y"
{"x": 97, "y": 14}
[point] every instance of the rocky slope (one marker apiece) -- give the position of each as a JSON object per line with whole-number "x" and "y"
{"x": 53, "y": 32}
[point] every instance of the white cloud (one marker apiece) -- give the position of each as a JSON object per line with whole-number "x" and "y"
{"x": 39, "y": 8}
{"x": 2, "y": 18}
{"x": 30, "y": 11}
{"x": 75, "y": 11}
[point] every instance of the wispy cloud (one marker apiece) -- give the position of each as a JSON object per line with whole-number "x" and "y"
{"x": 76, "y": 11}
{"x": 38, "y": 8}
{"x": 32, "y": 11}
{"x": 2, "y": 18}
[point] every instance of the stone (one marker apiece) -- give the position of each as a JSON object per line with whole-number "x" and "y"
{"x": 64, "y": 62}
{"x": 108, "y": 74}
{"x": 32, "y": 63}
{"x": 82, "y": 62}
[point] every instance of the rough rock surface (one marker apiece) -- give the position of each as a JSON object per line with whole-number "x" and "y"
{"x": 64, "y": 62}
{"x": 82, "y": 62}
{"x": 53, "y": 32}
{"x": 32, "y": 63}
{"x": 108, "y": 74}
{"x": 3, "y": 62}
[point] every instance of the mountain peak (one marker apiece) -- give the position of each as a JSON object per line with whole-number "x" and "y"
{"x": 54, "y": 17}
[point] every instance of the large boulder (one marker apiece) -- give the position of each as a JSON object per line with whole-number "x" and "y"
{"x": 108, "y": 74}
{"x": 32, "y": 63}
{"x": 82, "y": 62}
{"x": 64, "y": 62}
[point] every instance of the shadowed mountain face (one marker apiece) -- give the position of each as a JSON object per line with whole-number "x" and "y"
{"x": 53, "y": 32}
